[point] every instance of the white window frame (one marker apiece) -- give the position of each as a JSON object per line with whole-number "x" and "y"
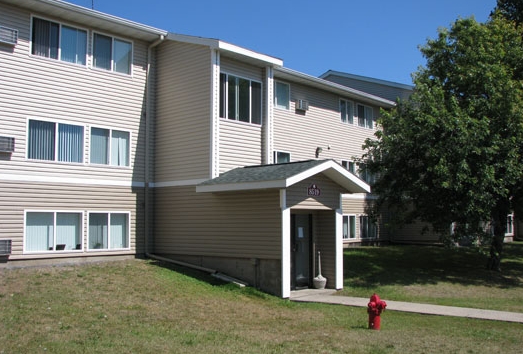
{"x": 366, "y": 121}
{"x": 226, "y": 98}
{"x": 348, "y": 238}
{"x": 60, "y": 24}
{"x": 349, "y": 116}
{"x": 54, "y": 212}
{"x": 287, "y": 105}
{"x": 108, "y": 164}
{"x": 275, "y": 156}
{"x": 56, "y": 123}
{"x": 113, "y": 38}
{"x": 109, "y": 249}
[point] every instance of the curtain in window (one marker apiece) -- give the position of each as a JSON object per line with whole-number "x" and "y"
{"x": 368, "y": 117}
{"x": 345, "y": 227}
{"x": 364, "y": 227}
{"x": 122, "y": 56}
{"x": 39, "y": 231}
{"x": 223, "y": 95}
{"x": 102, "y": 51}
{"x": 70, "y": 143}
{"x": 45, "y": 38}
{"x": 119, "y": 148}
{"x": 99, "y": 146}
{"x": 74, "y": 44}
{"x": 256, "y": 105}
{"x": 232, "y": 98}
{"x": 41, "y": 142}
{"x": 68, "y": 229}
{"x": 282, "y": 95}
{"x": 243, "y": 100}
{"x": 98, "y": 231}
{"x": 119, "y": 232}
{"x": 361, "y": 115}
{"x": 343, "y": 111}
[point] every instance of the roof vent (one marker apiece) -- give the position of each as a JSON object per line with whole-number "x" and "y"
{"x": 7, "y": 144}
{"x": 8, "y": 35}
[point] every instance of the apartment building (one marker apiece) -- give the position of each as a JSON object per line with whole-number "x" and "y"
{"x": 122, "y": 140}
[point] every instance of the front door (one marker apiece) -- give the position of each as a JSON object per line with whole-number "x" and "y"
{"x": 301, "y": 243}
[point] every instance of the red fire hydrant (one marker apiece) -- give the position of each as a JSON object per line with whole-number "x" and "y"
{"x": 374, "y": 309}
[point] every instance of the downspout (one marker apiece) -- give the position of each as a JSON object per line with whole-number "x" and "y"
{"x": 148, "y": 116}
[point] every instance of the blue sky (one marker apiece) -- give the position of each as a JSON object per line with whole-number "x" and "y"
{"x": 376, "y": 38}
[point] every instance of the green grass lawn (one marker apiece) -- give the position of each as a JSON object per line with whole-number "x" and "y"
{"x": 146, "y": 307}
{"x": 436, "y": 275}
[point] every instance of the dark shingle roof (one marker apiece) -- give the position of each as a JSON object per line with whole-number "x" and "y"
{"x": 263, "y": 173}
{"x": 282, "y": 176}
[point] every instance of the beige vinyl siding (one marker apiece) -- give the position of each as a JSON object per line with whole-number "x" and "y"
{"x": 358, "y": 206}
{"x": 301, "y": 133}
{"x": 242, "y": 225}
{"x": 182, "y": 133}
{"x": 47, "y": 89}
{"x": 241, "y": 144}
{"x": 329, "y": 199}
{"x": 241, "y": 69}
{"x": 16, "y": 198}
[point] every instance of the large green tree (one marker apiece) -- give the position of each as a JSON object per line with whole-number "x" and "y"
{"x": 452, "y": 153}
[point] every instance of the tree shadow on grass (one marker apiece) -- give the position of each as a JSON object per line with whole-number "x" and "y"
{"x": 423, "y": 265}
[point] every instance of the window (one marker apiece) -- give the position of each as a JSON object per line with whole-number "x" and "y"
{"x": 281, "y": 95}
{"x": 365, "y": 174}
{"x": 53, "y": 231}
{"x": 110, "y": 147}
{"x": 365, "y": 116}
{"x": 55, "y": 141}
{"x": 349, "y": 227}
{"x": 348, "y": 165}
{"x": 108, "y": 231}
{"x": 281, "y": 157}
{"x": 240, "y": 99}
{"x": 367, "y": 227}
{"x": 346, "y": 111}
{"x": 56, "y": 41}
{"x": 112, "y": 54}
{"x": 510, "y": 225}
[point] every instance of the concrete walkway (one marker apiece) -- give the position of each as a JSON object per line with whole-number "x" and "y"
{"x": 327, "y": 296}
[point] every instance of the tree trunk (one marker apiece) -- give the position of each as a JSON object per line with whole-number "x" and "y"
{"x": 499, "y": 221}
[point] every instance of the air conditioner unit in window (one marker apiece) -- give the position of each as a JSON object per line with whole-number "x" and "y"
{"x": 302, "y": 105}
{"x": 7, "y": 144}
{"x": 8, "y": 35}
{"x": 5, "y": 247}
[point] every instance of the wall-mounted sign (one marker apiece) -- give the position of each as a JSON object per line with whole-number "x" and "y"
{"x": 313, "y": 190}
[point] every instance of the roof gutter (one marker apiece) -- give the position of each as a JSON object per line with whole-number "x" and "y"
{"x": 148, "y": 116}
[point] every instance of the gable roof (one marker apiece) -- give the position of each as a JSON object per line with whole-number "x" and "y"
{"x": 279, "y": 176}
